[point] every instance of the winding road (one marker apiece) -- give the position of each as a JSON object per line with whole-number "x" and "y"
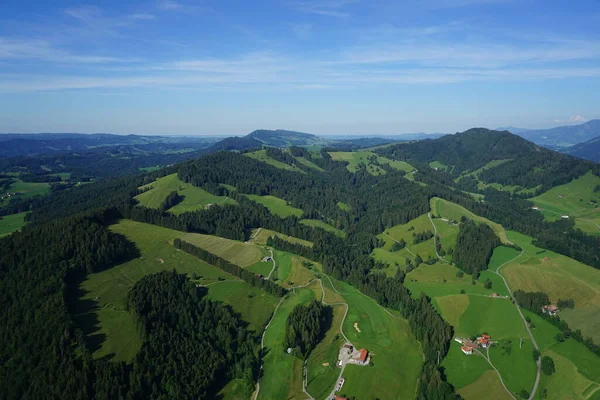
{"x": 435, "y": 239}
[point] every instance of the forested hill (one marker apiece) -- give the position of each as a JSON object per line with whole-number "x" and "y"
{"x": 464, "y": 151}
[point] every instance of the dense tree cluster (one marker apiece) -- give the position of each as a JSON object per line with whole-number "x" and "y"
{"x": 474, "y": 247}
{"x": 532, "y": 301}
{"x": 566, "y": 303}
{"x": 250, "y": 277}
{"x": 296, "y": 248}
{"x": 191, "y": 347}
{"x": 306, "y": 326}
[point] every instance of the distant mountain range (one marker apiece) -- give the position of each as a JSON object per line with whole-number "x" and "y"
{"x": 589, "y": 150}
{"x": 561, "y": 137}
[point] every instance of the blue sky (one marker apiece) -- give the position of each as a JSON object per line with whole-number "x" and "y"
{"x": 328, "y": 66}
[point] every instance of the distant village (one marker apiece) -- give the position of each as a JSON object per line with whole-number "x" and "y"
{"x": 8, "y": 195}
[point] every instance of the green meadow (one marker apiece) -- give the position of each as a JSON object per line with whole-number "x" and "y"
{"x": 282, "y": 373}
{"x": 194, "y": 199}
{"x": 396, "y": 354}
{"x": 317, "y": 223}
{"x": 573, "y": 199}
{"x": 98, "y": 303}
{"x": 290, "y": 270}
{"x": 276, "y": 206}
{"x": 27, "y": 190}
{"x": 561, "y": 278}
{"x": 357, "y": 158}
{"x": 12, "y": 223}
{"x": 445, "y": 209}
{"x": 261, "y": 155}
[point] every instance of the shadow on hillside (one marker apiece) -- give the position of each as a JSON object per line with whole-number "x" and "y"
{"x": 83, "y": 311}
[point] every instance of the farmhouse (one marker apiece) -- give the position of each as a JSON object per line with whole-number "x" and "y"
{"x": 467, "y": 350}
{"x": 535, "y": 208}
{"x": 340, "y": 398}
{"x": 550, "y": 310}
{"x": 363, "y": 356}
{"x": 564, "y": 216}
{"x": 267, "y": 258}
{"x": 348, "y": 347}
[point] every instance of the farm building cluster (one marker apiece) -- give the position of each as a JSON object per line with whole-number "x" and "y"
{"x": 550, "y": 309}
{"x": 468, "y": 346}
{"x": 348, "y": 354}
{"x": 8, "y": 195}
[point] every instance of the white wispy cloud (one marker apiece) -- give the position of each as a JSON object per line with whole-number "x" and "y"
{"x": 328, "y": 8}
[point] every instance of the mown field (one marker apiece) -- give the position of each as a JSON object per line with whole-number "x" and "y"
{"x": 99, "y": 302}
{"x": 561, "y": 278}
{"x": 260, "y": 237}
{"x": 317, "y": 223}
{"x": 356, "y": 158}
{"x": 573, "y": 199}
{"x": 11, "y": 223}
{"x": 195, "y": 198}
{"x": 277, "y": 206}
{"x": 291, "y": 271}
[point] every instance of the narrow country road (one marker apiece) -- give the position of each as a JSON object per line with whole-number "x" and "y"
{"x": 538, "y": 362}
{"x": 272, "y": 269}
{"x": 435, "y": 238}
{"x": 262, "y": 346}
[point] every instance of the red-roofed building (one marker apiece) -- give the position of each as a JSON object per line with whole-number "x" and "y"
{"x": 550, "y": 310}
{"x": 340, "y": 398}
{"x": 467, "y": 350}
{"x": 362, "y": 356}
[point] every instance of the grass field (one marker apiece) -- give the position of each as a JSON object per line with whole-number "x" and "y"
{"x": 437, "y": 165}
{"x": 195, "y": 198}
{"x": 261, "y": 155}
{"x": 404, "y": 231}
{"x": 290, "y": 270}
{"x": 344, "y": 206}
{"x": 276, "y": 205}
{"x": 487, "y": 387}
{"x": 243, "y": 254}
{"x": 282, "y": 372}
{"x": 317, "y": 223}
{"x": 100, "y": 305}
{"x": 573, "y": 199}
{"x": 454, "y": 212}
{"x": 27, "y": 190}
{"x": 396, "y": 354}
{"x": 356, "y": 158}
{"x": 11, "y": 223}
{"x": 577, "y": 367}
{"x": 447, "y": 232}
{"x": 559, "y": 277}
{"x": 309, "y": 164}
{"x": 261, "y": 237}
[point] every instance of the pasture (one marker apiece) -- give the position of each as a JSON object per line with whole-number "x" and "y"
{"x": 276, "y": 206}
{"x": 396, "y": 354}
{"x": 12, "y": 223}
{"x": 195, "y": 198}
{"x": 573, "y": 199}
{"x": 282, "y": 373}
{"x": 98, "y": 303}
{"x": 27, "y": 190}
{"x": 405, "y": 232}
{"x": 487, "y": 387}
{"x": 576, "y": 375}
{"x": 317, "y": 223}
{"x": 290, "y": 270}
{"x": 370, "y": 160}
{"x": 344, "y": 206}
{"x": 260, "y": 237}
{"x": 561, "y": 278}
{"x": 261, "y": 155}
{"x": 309, "y": 164}
{"x": 454, "y": 212}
